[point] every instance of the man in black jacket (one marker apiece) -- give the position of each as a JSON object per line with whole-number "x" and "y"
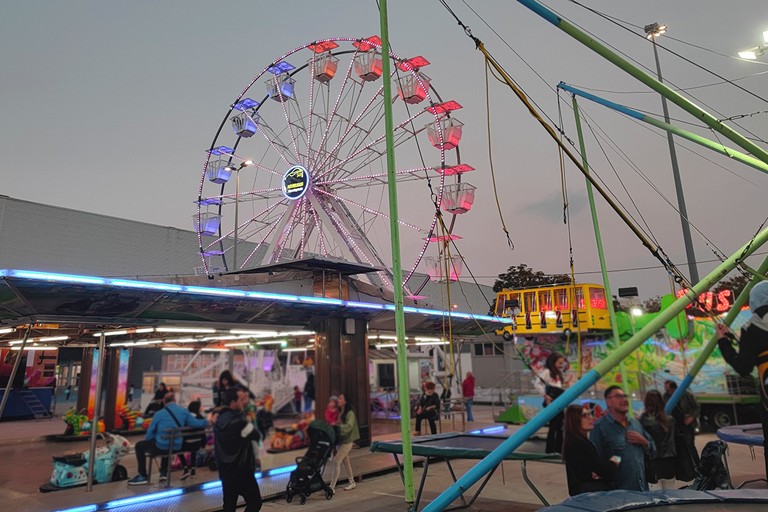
{"x": 753, "y": 350}
{"x": 234, "y": 436}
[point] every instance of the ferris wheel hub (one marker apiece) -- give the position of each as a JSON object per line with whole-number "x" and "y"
{"x": 295, "y": 182}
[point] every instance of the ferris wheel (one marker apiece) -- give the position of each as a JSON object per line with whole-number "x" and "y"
{"x": 298, "y": 168}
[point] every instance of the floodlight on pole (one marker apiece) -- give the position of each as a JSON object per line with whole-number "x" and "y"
{"x": 243, "y": 164}
{"x": 652, "y": 31}
{"x": 757, "y": 51}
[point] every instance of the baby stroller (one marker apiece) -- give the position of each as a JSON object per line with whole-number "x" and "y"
{"x": 308, "y": 475}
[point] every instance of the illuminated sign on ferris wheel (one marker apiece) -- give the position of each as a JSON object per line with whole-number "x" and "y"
{"x": 295, "y": 182}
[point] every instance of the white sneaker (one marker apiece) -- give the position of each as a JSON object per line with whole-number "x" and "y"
{"x": 350, "y": 486}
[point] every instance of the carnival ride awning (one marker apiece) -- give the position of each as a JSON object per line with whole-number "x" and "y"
{"x": 32, "y": 297}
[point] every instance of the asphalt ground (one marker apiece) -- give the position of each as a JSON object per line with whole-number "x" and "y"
{"x": 25, "y": 463}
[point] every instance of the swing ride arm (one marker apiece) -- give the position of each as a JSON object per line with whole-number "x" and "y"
{"x": 648, "y": 80}
{"x": 702, "y": 141}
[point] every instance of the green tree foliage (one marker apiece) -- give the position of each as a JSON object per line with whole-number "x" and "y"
{"x": 651, "y": 305}
{"x": 522, "y": 276}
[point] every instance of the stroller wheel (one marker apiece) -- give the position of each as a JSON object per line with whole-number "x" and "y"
{"x": 288, "y": 497}
{"x": 302, "y": 499}
{"x": 328, "y": 493}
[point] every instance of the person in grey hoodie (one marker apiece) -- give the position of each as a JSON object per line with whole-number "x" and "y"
{"x": 753, "y": 350}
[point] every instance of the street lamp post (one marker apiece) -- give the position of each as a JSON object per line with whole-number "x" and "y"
{"x": 652, "y": 31}
{"x": 246, "y": 163}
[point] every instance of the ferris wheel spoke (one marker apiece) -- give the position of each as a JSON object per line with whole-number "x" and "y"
{"x": 274, "y": 142}
{"x": 328, "y": 115}
{"x": 283, "y": 234}
{"x": 365, "y": 160}
{"x": 257, "y": 218}
{"x": 352, "y": 237}
{"x": 319, "y": 226}
{"x": 283, "y": 103}
{"x": 367, "y": 209}
{"x": 350, "y": 124}
{"x": 369, "y": 146}
{"x": 376, "y": 179}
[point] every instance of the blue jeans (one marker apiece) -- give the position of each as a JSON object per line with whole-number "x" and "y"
{"x": 468, "y": 402}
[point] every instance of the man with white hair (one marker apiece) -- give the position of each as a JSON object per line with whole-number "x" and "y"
{"x": 753, "y": 350}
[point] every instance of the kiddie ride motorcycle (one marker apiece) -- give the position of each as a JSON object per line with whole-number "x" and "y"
{"x": 71, "y": 470}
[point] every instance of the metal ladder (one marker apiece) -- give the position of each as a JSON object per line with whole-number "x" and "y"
{"x": 34, "y": 405}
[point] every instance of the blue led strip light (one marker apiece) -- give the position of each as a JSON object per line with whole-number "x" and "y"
{"x": 201, "y": 290}
{"x": 135, "y": 500}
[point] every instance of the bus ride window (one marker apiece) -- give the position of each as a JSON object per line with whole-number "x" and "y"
{"x": 561, "y": 299}
{"x": 545, "y": 300}
{"x": 500, "y": 304}
{"x": 529, "y": 299}
{"x": 597, "y": 298}
{"x": 579, "y": 298}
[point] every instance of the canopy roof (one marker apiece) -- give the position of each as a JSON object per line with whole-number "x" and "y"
{"x": 65, "y": 300}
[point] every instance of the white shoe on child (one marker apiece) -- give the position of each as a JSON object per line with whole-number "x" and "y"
{"x": 350, "y": 486}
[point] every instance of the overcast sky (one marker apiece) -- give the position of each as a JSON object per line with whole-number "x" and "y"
{"x": 108, "y": 107}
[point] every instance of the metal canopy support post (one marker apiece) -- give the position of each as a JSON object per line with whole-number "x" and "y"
{"x": 15, "y": 369}
{"x": 582, "y": 385}
{"x": 397, "y": 269}
{"x": 96, "y": 408}
{"x": 710, "y": 346}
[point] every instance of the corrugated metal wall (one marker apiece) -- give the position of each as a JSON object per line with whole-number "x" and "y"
{"x": 43, "y": 237}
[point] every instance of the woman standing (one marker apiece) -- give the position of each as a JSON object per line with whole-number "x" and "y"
{"x": 348, "y": 434}
{"x": 551, "y": 383}
{"x": 585, "y": 470}
{"x": 662, "y": 429}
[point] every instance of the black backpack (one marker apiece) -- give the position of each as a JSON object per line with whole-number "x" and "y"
{"x": 712, "y": 471}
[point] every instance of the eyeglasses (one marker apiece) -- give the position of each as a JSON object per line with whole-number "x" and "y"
{"x": 587, "y": 414}
{"x": 618, "y": 395}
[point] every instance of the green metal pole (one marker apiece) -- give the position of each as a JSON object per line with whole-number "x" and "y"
{"x": 712, "y": 343}
{"x": 397, "y": 269}
{"x": 647, "y": 79}
{"x": 600, "y": 253}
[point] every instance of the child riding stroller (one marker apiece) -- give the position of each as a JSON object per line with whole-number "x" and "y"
{"x": 308, "y": 475}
